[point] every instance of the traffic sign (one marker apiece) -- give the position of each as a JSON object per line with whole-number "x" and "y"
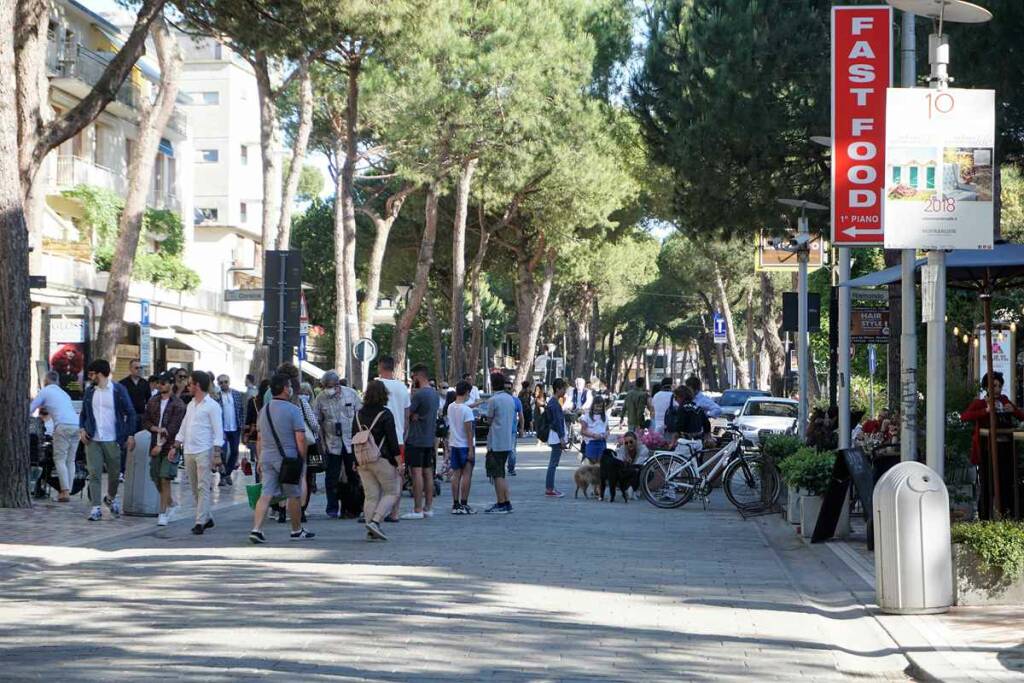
{"x": 719, "y": 324}
{"x": 144, "y": 312}
{"x": 243, "y": 295}
{"x": 303, "y": 315}
{"x": 872, "y": 359}
{"x": 364, "y": 350}
{"x": 302, "y": 348}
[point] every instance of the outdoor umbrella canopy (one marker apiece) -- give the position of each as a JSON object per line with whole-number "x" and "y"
{"x": 984, "y": 272}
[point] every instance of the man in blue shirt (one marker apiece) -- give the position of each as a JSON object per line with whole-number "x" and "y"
{"x": 500, "y": 442}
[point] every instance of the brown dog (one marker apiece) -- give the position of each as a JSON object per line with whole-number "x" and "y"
{"x": 587, "y": 476}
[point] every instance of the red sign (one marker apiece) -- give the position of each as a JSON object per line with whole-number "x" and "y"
{"x": 861, "y": 71}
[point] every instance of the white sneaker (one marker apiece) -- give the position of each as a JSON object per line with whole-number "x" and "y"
{"x": 428, "y": 513}
{"x": 161, "y": 519}
{"x": 412, "y": 515}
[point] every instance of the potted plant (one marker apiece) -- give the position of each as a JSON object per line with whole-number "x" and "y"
{"x": 810, "y": 471}
{"x": 988, "y": 563}
{"x": 778, "y": 447}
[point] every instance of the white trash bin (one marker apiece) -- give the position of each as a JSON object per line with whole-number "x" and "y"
{"x": 141, "y": 499}
{"x": 913, "y": 561}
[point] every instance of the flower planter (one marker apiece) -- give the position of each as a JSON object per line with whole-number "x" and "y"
{"x": 975, "y": 584}
{"x": 793, "y": 504}
{"x": 810, "y": 506}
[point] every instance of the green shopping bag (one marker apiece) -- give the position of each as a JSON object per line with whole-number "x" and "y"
{"x": 254, "y": 491}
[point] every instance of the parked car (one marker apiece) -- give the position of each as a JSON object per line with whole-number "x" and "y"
{"x": 732, "y": 403}
{"x": 763, "y": 415}
{"x": 482, "y": 420}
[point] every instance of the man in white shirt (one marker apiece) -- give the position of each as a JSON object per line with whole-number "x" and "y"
{"x": 711, "y": 409}
{"x": 660, "y": 403}
{"x": 106, "y": 425}
{"x": 56, "y": 402}
{"x": 200, "y": 439}
{"x": 474, "y": 392}
{"x": 580, "y": 398}
{"x": 398, "y": 404}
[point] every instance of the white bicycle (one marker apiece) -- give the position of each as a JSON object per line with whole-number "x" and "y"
{"x": 670, "y": 479}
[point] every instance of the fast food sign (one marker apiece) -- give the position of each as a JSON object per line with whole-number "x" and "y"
{"x": 861, "y": 72}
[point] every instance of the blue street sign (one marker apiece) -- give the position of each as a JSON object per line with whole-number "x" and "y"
{"x": 719, "y": 328}
{"x": 872, "y": 360}
{"x": 144, "y": 314}
{"x": 302, "y": 347}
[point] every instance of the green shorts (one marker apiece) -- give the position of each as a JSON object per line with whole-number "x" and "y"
{"x": 495, "y": 464}
{"x": 161, "y": 468}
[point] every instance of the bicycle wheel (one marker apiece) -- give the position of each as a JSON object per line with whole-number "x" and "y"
{"x": 751, "y": 484}
{"x": 666, "y": 482}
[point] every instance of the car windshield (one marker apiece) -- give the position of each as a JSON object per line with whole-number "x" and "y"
{"x": 770, "y": 409}
{"x": 736, "y": 398}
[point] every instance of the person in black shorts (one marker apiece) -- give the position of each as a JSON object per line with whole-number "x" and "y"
{"x": 421, "y": 443}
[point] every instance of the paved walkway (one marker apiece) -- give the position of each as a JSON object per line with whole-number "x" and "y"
{"x": 561, "y": 590}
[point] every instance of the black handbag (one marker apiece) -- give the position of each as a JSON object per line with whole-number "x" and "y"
{"x": 291, "y": 468}
{"x": 314, "y": 458}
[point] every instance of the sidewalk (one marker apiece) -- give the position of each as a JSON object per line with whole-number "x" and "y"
{"x": 964, "y": 644}
{"x": 51, "y": 523}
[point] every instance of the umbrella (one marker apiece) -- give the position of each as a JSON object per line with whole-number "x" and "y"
{"x": 980, "y": 271}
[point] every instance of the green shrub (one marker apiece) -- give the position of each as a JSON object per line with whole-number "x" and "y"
{"x": 809, "y": 469}
{"x": 1000, "y": 545}
{"x": 780, "y": 446}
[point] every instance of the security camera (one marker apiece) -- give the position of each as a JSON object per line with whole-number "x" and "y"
{"x": 800, "y": 240}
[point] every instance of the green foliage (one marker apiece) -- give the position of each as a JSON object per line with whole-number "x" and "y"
{"x": 101, "y": 212}
{"x": 313, "y": 234}
{"x": 808, "y": 469}
{"x": 778, "y": 447}
{"x": 311, "y": 183}
{"x": 1000, "y": 545}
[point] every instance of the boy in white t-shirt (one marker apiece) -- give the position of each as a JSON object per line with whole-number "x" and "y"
{"x": 398, "y": 404}
{"x": 461, "y": 448}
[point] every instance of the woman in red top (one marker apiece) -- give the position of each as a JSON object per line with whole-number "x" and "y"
{"x": 977, "y": 412}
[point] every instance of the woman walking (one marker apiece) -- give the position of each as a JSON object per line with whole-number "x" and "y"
{"x": 380, "y": 475}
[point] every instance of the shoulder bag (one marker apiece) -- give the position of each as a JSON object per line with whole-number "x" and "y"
{"x": 314, "y": 458}
{"x": 291, "y": 468}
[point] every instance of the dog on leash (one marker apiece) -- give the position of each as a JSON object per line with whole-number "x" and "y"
{"x": 616, "y": 474}
{"x": 586, "y": 476}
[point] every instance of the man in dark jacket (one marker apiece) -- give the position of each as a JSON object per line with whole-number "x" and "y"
{"x": 163, "y": 416}
{"x": 106, "y": 425}
{"x": 232, "y": 403}
{"x": 138, "y": 392}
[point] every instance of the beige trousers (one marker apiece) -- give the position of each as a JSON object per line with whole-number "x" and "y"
{"x": 380, "y": 485}
{"x": 200, "y": 477}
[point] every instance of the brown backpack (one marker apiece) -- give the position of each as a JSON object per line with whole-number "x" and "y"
{"x": 366, "y": 449}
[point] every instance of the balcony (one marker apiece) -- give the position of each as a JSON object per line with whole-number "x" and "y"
{"x": 87, "y": 67}
{"x": 66, "y": 172}
{"x": 178, "y": 122}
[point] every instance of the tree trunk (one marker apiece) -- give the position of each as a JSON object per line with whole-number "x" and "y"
{"x": 707, "y": 352}
{"x": 532, "y": 302}
{"x": 740, "y": 365}
{"x": 772, "y": 342}
{"x": 341, "y": 283}
{"x": 348, "y": 170}
{"x": 382, "y": 225}
{"x": 459, "y": 266}
{"x": 435, "y": 340}
{"x": 291, "y": 186}
{"x": 269, "y": 138}
{"x": 749, "y": 350}
{"x": 152, "y": 121}
{"x": 14, "y": 294}
{"x": 424, "y": 260}
{"x": 473, "y": 277}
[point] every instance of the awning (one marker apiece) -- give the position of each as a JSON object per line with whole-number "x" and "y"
{"x": 965, "y": 268}
{"x": 166, "y": 148}
{"x": 213, "y": 356}
{"x": 309, "y": 369}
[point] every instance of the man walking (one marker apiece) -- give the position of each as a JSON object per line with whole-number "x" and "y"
{"x": 282, "y": 436}
{"x": 106, "y": 424}
{"x": 461, "y": 448}
{"x": 499, "y": 443}
{"x": 232, "y": 403}
{"x": 138, "y": 392}
{"x": 398, "y": 404}
{"x": 335, "y": 408}
{"x": 421, "y": 443}
{"x": 636, "y": 403}
{"x": 200, "y": 439}
{"x": 57, "y": 403}
{"x": 163, "y": 417}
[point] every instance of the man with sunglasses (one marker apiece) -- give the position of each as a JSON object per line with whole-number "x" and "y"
{"x": 163, "y": 417}
{"x": 138, "y": 392}
{"x": 181, "y": 385}
{"x": 232, "y": 404}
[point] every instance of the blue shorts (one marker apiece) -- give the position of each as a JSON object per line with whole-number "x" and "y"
{"x": 458, "y": 457}
{"x": 594, "y": 450}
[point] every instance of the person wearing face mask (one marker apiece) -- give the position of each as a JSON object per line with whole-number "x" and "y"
{"x": 335, "y": 408}
{"x": 162, "y": 417}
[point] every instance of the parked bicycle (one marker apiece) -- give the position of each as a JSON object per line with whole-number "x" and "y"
{"x": 751, "y": 482}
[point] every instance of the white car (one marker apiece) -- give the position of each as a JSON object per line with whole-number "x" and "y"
{"x": 765, "y": 414}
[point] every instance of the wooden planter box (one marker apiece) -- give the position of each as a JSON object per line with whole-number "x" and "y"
{"x": 977, "y": 585}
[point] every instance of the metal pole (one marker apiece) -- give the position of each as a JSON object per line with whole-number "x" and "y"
{"x": 908, "y": 335}
{"x": 802, "y": 364}
{"x": 282, "y": 283}
{"x": 935, "y": 423}
{"x": 843, "y": 373}
{"x": 993, "y": 448}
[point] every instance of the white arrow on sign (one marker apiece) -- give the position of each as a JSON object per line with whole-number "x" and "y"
{"x": 853, "y": 232}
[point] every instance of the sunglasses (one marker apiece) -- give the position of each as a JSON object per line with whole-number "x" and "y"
{"x": 224, "y": 381}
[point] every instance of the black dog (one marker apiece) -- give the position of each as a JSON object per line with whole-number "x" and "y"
{"x": 616, "y": 474}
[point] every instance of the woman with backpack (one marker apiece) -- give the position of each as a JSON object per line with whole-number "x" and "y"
{"x": 375, "y": 443}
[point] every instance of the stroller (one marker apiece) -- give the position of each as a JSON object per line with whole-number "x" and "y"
{"x": 41, "y": 457}
{"x": 440, "y": 472}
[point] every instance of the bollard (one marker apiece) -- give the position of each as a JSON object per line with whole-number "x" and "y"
{"x": 913, "y": 561}
{"x": 140, "y": 496}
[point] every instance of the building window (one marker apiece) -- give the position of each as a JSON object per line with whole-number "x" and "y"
{"x": 243, "y": 213}
{"x": 929, "y": 178}
{"x": 209, "y": 156}
{"x": 896, "y": 175}
{"x": 206, "y": 98}
{"x": 206, "y": 215}
{"x": 245, "y": 155}
{"x": 913, "y": 176}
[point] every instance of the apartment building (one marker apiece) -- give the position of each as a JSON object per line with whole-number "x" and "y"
{"x": 193, "y": 328}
